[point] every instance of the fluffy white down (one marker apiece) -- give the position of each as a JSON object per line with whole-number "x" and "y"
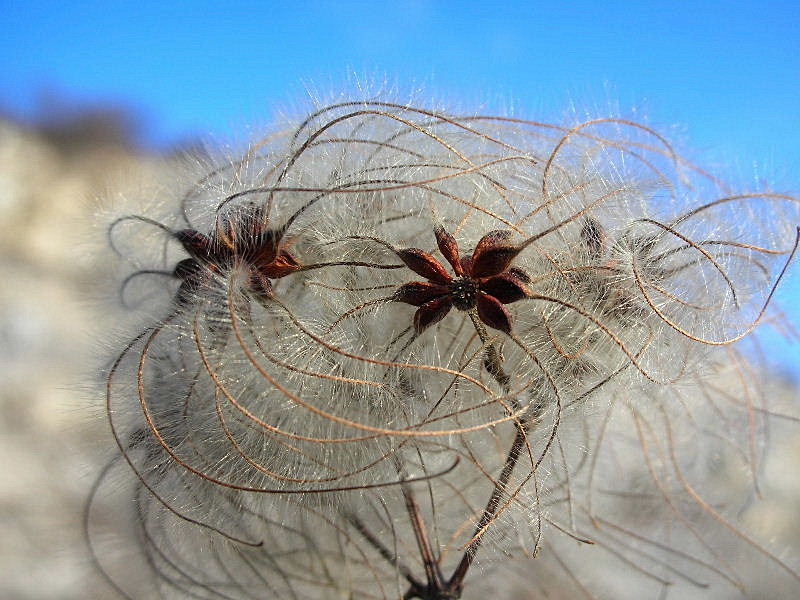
{"x": 305, "y": 421}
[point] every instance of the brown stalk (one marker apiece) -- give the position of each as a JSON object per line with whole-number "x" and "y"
{"x": 437, "y": 588}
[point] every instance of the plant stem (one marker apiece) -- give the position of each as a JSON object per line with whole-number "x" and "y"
{"x": 453, "y": 588}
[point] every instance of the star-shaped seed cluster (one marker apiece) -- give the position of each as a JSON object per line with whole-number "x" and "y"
{"x": 240, "y": 238}
{"x": 483, "y": 282}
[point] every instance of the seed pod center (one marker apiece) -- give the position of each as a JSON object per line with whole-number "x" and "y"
{"x": 465, "y": 293}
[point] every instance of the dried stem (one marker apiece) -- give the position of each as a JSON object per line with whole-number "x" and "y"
{"x": 452, "y": 589}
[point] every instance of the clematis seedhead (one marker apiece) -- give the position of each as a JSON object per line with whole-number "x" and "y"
{"x": 483, "y": 282}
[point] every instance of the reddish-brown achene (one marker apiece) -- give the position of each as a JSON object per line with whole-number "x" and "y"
{"x": 484, "y": 281}
{"x": 240, "y": 237}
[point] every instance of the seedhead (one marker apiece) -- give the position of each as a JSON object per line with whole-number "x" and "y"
{"x": 296, "y": 431}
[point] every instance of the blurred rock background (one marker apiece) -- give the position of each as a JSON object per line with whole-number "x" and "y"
{"x": 54, "y": 177}
{"x": 52, "y": 434}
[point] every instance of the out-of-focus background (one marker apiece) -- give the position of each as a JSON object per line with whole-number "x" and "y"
{"x": 97, "y": 98}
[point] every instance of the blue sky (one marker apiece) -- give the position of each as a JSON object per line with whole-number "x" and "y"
{"x": 727, "y": 72}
